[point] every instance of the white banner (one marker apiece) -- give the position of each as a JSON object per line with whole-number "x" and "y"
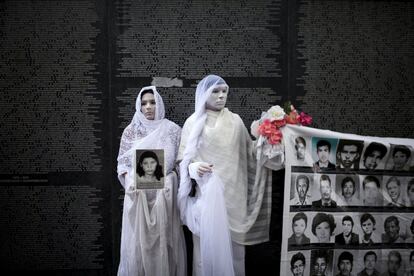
{"x": 348, "y": 204}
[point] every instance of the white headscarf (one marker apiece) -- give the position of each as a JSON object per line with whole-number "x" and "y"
{"x": 139, "y": 119}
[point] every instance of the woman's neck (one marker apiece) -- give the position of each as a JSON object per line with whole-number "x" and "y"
{"x": 212, "y": 116}
{"x": 149, "y": 176}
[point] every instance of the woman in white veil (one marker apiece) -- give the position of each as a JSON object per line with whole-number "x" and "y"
{"x": 152, "y": 241}
{"x": 229, "y": 206}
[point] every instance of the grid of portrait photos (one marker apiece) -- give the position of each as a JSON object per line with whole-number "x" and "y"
{"x": 349, "y": 204}
{"x": 149, "y": 169}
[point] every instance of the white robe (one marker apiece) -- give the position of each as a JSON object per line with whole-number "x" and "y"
{"x": 247, "y": 187}
{"x": 232, "y": 205}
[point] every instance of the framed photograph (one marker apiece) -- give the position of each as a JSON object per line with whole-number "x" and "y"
{"x": 149, "y": 168}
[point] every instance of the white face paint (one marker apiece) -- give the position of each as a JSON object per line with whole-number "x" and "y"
{"x": 218, "y": 98}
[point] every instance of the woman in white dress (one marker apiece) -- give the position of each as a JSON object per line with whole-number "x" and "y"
{"x": 229, "y": 206}
{"x": 152, "y": 241}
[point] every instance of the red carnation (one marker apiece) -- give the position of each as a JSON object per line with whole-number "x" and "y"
{"x": 266, "y": 128}
{"x": 279, "y": 123}
{"x": 275, "y": 137}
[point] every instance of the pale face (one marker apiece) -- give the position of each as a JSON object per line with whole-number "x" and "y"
{"x": 300, "y": 151}
{"x": 348, "y": 155}
{"x": 325, "y": 190}
{"x": 218, "y": 98}
{"x": 323, "y": 154}
{"x": 299, "y": 227}
{"x": 149, "y": 165}
{"x": 348, "y": 190}
{"x": 347, "y": 226}
{"x": 400, "y": 159}
{"x": 148, "y": 106}
{"x": 371, "y": 192}
{"x": 372, "y": 160}
{"x": 345, "y": 267}
{"x": 370, "y": 262}
{"x": 320, "y": 266}
{"x": 393, "y": 190}
{"x": 392, "y": 230}
{"x": 302, "y": 187}
{"x": 367, "y": 227}
{"x": 298, "y": 268}
{"x": 323, "y": 232}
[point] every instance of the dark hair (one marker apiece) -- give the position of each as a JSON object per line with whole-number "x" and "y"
{"x": 411, "y": 255}
{"x": 346, "y": 180}
{"x": 412, "y": 227}
{"x": 391, "y": 219}
{"x": 300, "y": 216}
{"x": 348, "y": 218}
{"x": 370, "y": 178}
{"x": 302, "y": 177}
{"x": 366, "y": 217}
{"x": 318, "y": 254}
{"x": 299, "y": 140}
{"x": 403, "y": 149}
{"x": 322, "y": 143}
{"x": 340, "y": 149}
{"x": 345, "y": 256}
{"x": 374, "y": 146}
{"x": 343, "y": 143}
{"x": 393, "y": 179}
{"x": 324, "y": 177}
{"x": 410, "y": 183}
{"x": 370, "y": 253}
{"x": 322, "y": 217}
{"x": 297, "y": 257}
{"x": 158, "y": 169}
{"x": 146, "y": 91}
{"x": 396, "y": 254}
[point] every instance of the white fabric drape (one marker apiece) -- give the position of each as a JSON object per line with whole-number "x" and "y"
{"x": 152, "y": 241}
{"x": 229, "y": 148}
{"x": 237, "y": 181}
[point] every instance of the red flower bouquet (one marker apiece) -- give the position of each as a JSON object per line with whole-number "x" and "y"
{"x": 267, "y": 128}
